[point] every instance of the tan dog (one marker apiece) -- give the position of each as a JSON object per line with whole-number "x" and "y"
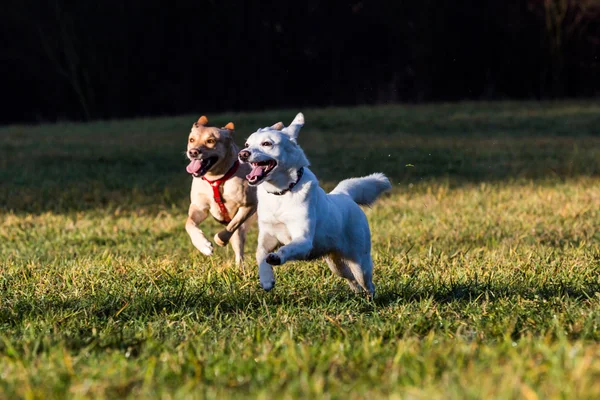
{"x": 219, "y": 187}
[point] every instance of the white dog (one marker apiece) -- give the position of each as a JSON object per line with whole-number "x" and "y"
{"x": 295, "y": 212}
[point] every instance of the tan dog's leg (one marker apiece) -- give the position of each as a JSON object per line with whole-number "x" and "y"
{"x": 237, "y": 243}
{"x": 195, "y": 217}
{"x": 243, "y": 213}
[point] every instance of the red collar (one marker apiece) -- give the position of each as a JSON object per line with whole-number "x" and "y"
{"x": 216, "y": 184}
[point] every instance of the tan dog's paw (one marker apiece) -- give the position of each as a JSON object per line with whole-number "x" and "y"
{"x": 207, "y": 250}
{"x": 222, "y": 238}
{"x": 205, "y": 247}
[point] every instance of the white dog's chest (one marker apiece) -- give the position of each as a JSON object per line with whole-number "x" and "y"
{"x": 281, "y": 233}
{"x": 279, "y": 215}
{"x": 275, "y": 226}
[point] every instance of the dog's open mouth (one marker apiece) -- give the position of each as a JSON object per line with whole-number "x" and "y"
{"x": 260, "y": 170}
{"x": 200, "y": 167}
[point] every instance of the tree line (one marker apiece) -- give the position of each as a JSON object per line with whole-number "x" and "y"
{"x": 81, "y": 60}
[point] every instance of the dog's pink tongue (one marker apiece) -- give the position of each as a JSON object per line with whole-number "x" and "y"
{"x": 256, "y": 171}
{"x": 194, "y": 166}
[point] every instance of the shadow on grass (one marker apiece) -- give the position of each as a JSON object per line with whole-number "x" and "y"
{"x": 479, "y": 292}
{"x": 207, "y": 301}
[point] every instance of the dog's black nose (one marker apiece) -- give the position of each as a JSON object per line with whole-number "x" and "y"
{"x": 243, "y": 155}
{"x": 193, "y": 153}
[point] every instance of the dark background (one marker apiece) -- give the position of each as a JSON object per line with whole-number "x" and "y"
{"x": 81, "y": 60}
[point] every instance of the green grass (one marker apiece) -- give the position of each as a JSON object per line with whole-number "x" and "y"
{"x": 487, "y": 263}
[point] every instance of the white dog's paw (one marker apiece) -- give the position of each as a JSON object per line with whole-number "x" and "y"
{"x": 267, "y": 285}
{"x": 267, "y": 277}
{"x": 273, "y": 259}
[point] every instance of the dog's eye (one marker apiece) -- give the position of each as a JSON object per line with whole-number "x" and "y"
{"x": 210, "y": 141}
{"x": 267, "y": 144}
{"x": 246, "y": 144}
{"x": 191, "y": 140}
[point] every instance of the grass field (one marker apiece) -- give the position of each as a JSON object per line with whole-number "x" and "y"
{"x": 487, "y": 263}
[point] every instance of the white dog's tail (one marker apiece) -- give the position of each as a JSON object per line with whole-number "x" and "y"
{"x": 364, "y": 190}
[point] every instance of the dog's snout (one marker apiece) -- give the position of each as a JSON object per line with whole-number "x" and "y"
{"x": 194, "y": 153}
{"x": 243, "y": 155}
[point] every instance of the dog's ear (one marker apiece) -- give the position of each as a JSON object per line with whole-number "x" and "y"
{"x": 294, "y": 128}
{"x": 203, "y": 120}
{"x": 278, "y": 126}
{"x": 229, "y": 126}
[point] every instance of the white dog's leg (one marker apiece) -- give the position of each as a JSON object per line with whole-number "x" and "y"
{"x": 195, "y": 217}
{"x": 297, "y": 249}
{"x": 339, "y": 267}
{"x": 266, "y": 244}
{"x": 237, "y": 243}
{"x": 302, "y": 233}
{"x": 363, "y": 273}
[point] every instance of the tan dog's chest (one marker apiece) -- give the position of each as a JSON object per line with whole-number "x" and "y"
{"x": 233, "y": 193}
